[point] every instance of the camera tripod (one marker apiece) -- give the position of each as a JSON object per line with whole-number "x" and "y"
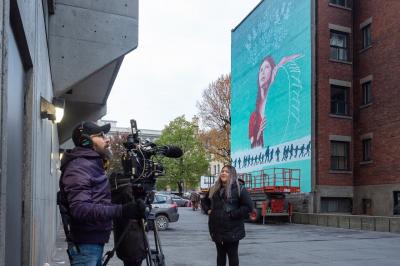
{"x": 154, "y": 257}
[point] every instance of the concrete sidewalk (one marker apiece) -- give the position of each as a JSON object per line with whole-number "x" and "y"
{"x": 187, "y": 243}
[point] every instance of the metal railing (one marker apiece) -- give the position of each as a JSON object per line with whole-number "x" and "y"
{"x": 273, "y": 180}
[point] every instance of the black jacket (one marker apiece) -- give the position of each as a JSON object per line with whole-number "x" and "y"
{"x": 226, "y": 218}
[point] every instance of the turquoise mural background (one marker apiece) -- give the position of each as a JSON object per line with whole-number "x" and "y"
{"x": 276, "y": 28}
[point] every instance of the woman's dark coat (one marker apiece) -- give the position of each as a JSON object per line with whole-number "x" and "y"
{"x": 226, "y": 218}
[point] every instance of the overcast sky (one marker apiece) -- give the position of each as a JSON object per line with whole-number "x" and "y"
{"x": 183, "y": 46}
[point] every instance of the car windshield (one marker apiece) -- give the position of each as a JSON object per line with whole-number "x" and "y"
{"x": 162, "y": 198}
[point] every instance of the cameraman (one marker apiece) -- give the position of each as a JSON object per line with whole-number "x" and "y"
{"x": 86, "y": 195}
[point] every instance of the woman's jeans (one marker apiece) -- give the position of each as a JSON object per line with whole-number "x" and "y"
{"x": 230, "y": 249}
{"x": 85, "y": 254}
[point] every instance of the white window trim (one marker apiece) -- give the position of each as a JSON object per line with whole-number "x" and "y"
{"x": 339, "y": 138}
{"x": 366, "y": 79}
{"x": 365, "y": 23}
{"x": 367, "y": 136}
{"x": 342, "y": 83}
{"x": 339, "y": 28}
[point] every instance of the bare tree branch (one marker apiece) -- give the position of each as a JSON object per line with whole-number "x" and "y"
{"x": 215, "y": 115}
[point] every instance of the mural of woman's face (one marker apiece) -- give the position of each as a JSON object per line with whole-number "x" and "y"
{"x": 264, "y": 73}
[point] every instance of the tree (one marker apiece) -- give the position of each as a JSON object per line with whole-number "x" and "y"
{"x": 194, "y": 161}
{"x": 215, "y": 114}
{"x": 116, "y": 144}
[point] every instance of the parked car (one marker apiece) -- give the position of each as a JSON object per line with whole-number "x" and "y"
{"x": 164, "y": 211}
{"x": 164, "y": 192}
{"x": 181, "y": 202}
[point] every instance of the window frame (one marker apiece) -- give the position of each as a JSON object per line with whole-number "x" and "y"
{"x": 336, "y": 158}
{"x": 345, "y": 102}
{"x": 347, "y": 3}
{"x": 396, "y": 202}
{"x": 366, "y": 88}
{"x": 335, "y": 49}
{"x": 366, "y": 36}
{"x": 367, "y": 150}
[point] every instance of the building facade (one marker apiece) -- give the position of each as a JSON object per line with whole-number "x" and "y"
{"x": 357, "y": 130}
{"x": 144, "y": 134}
{"x": 51, "y": 51}
{"x": 314, "y": 89}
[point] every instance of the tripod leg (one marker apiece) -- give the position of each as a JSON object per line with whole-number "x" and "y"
{"x": 160, "y": 254}
{"x": 149, "y": 261}
{"x": 157, "y": 241}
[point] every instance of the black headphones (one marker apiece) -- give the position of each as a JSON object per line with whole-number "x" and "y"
{"x": 84, "y": 139}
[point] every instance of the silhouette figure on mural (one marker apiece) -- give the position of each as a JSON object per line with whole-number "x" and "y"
{"x": 285, "y": 153}
{"x": 291, "y": 151}
{"x": 302, "y": 150}
{"x": 296, "y": 150}
{"x": 308, "y": 149}
{"x": 271, "y": 155}
{"x": 267, "y": 154}
{"x": 277, "y": 152}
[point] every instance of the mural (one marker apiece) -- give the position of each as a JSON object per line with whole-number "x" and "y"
{"x": 271, "y": 89}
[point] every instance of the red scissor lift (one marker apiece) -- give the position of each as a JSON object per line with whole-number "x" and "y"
{"x": 268, "y": 189}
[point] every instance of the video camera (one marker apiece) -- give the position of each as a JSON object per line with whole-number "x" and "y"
{"x": 141, "y": 162}
{"x": 141, "y": 166}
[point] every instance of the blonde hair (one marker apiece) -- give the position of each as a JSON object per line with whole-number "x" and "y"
{"x": 228, "y": 189}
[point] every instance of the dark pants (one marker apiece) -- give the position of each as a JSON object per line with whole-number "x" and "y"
{"x": 230, "y": 249}
{"x": 133, "y": 263}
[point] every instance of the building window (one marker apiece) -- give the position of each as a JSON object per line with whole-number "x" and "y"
{"x": 366, "y": 35}
{"x": 344, "y": 3}
{"x": 339, "y": 100}
{"x": 396, "y": 202}
{"x": 342, "y": 205}
{"x": 340, "y": 155}
{"x": 366, "y": 93}
{"x": 366, "y": 143}
{"x": 339, "y": 46}
{"x": 215, "y": 170}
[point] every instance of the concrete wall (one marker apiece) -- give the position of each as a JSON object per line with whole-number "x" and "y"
{"x": 357, "y": 222}
{"x": 381, "y": 198}
{"x": 27, "y": 21}
{"x": 3, "y": 183}
{"x": 85, "y": 36}
{"x": 301, "y": 202}
{"x": 40, "y": 176}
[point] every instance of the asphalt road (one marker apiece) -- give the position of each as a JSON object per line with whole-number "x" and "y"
{"x": 187, "y": 242}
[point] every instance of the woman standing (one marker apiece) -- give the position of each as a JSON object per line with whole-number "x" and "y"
{"x": 227, "y": 204}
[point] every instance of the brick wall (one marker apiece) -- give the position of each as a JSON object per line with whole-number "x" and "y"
{"x": 380, "y": 120}
{"x": 327, "y": 69}
{"x": 382, "y": 117}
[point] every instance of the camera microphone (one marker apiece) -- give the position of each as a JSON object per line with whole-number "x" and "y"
{"x": 171, "y": 151}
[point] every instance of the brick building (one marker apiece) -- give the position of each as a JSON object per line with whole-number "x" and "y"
{"x": 356, "y": 111}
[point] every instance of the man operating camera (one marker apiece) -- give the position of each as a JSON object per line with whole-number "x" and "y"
{"x": 85, "y": 196}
